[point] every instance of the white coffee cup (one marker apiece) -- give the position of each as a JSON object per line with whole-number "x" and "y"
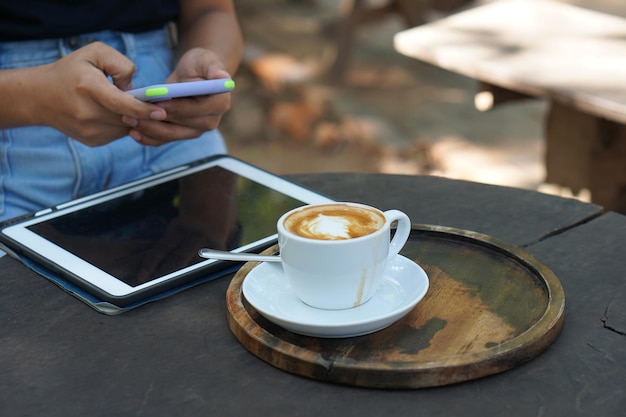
{"x": 332, "y": 258}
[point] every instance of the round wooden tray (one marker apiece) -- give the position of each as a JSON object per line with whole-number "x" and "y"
{"x": 490, "y": 307}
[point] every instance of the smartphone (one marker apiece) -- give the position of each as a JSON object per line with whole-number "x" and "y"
{"x": 161, "y": 92}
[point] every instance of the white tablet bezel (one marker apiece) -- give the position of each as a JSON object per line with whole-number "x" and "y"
{"x": 106, "y": 284}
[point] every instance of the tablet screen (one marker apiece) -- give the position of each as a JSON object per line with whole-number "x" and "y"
{"x": 146, "y": 234}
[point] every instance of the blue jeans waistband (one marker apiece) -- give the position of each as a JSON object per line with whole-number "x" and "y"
{"x": 37, "y": 52}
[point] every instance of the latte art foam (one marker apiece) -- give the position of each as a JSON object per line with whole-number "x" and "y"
{"x": 329, "y": 227}
{"x": 334, "y": 222}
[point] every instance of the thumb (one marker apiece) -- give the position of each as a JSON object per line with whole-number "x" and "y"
{"x": 113, "y": 64}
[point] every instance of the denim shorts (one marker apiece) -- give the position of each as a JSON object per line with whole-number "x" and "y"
{"x": 41, "y": 167}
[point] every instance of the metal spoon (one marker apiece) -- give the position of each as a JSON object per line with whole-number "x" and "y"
{"x": 236, "y": 256}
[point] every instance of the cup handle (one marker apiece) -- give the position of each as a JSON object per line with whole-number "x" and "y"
{"x": 403, "y": 230}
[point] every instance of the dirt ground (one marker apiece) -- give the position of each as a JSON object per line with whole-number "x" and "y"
{"x": 390, "y": 114}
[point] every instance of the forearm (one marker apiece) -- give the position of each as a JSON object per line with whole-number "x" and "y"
{"x": 17, "y": 103}
{"x": 211, "y": 25}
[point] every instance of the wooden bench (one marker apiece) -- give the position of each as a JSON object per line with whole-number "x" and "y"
{"x": 573, "y": 57}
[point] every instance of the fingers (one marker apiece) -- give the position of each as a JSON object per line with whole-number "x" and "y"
{"x": 154, "y": 133}
{"x": 122, "y": 103}
{"x": 179, "y": 110}
{"x": 186, "y": 118}
{"x": 112, "y": 96}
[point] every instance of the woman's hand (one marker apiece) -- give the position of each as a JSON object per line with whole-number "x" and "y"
{"x": 76, "y": 96}
{"x": 210, "y": 46}
{"x": 191, "y": 116}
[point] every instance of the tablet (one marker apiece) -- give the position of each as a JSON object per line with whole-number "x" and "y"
{"x": 142, "y": 238}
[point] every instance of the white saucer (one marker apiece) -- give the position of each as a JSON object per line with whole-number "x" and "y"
{"x": 267, "y": 289}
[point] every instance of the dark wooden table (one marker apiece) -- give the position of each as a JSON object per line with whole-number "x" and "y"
{"x": 177, "y": 357}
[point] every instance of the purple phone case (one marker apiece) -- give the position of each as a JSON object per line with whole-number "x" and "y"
{"x": 160, "y": 92}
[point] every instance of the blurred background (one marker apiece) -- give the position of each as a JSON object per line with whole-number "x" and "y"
{"x": 292, "y": 113}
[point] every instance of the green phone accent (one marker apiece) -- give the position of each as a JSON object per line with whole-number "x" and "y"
{"x": 156, "y": 92}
